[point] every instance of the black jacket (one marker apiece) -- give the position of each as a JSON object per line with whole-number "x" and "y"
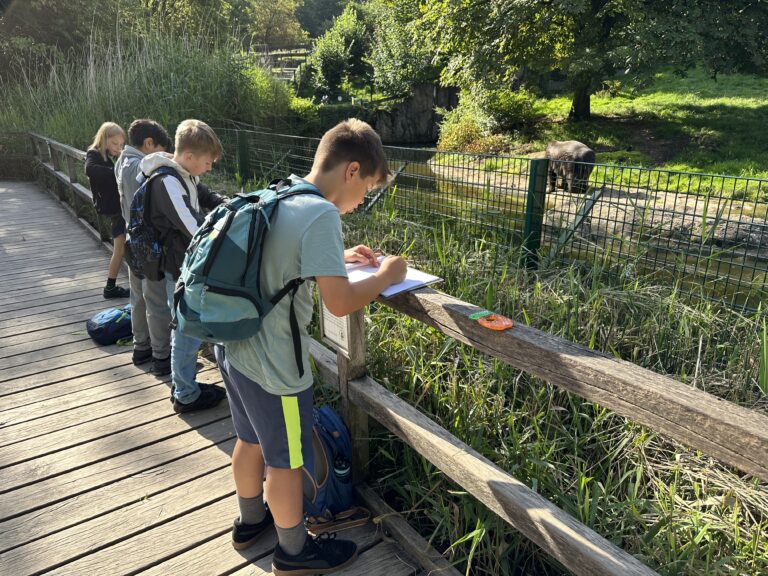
{"x": 171, "y": 218}
{"x": 101, "y": 175}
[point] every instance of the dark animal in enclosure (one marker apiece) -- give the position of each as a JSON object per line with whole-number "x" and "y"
{"x": 571, "y": 162}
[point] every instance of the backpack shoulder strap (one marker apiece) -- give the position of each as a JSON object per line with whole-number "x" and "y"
{"x": 168, "y": 171}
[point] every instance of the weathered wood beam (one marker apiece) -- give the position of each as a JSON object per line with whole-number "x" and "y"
{"x": 579, "y": 548}
{"x": 733, "y": 434}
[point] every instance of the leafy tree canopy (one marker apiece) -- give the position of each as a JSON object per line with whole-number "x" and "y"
{"x": 592, "y": 40}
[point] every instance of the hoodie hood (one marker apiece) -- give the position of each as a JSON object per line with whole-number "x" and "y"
{"x": 152, "y": 162}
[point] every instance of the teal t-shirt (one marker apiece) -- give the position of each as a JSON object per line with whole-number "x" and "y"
{"x": 305, "y": 241}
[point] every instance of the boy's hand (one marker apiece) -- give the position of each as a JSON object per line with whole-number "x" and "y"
{"x": 361, "y": 254}
{"x": 394, "y": 269}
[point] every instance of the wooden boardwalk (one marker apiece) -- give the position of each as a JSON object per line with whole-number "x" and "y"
{"x": 97, "y": 474}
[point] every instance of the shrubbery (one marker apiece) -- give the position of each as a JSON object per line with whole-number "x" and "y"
{"x": 339, "y": 54}
{"x": 162, "y": 77}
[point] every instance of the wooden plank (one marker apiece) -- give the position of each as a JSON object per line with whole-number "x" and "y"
{"x": 384, "y": 559}
{"x": 55, "y": 489}
{"x": 120, "y": 369}
{"x": 577, "y": 547}
{"x": 35, "y": 358}
{"x": 29, "y": 262}
{"x": 63, "y": 251}
{"x": 87, "y": 541}
{"x": 28, "y": 449}
{"x": 31, "y": 240}
{"x": 39, "y": 372}
{"x": 50, "y": 266}
{"x": 74, "y": 295}
{"x": 53, "y": 286}
{"x": 82, "y": 507}
{"x": 80, "y": 425}
{"x": 69, "y": 334}
{"x": 353, "y": 366}
{"x": 411, "y": 541}
{"x": 65, "y": 428}
{"x": 209, "y": 557}
{"x": 324, "y": 361}
{"x": 42, "y": 307}
{"x": 64, "y": 278}
{"x": 93, "y": 395}
{"x": 19, "y": 326}
{"x": 734, "y": 434}
{"x": 32, "y": 471}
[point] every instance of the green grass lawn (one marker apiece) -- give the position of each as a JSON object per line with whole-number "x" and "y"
{"x": 692, "y": 124}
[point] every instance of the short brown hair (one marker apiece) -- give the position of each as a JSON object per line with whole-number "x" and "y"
{"x": 353, "y": 141}
{"x": 196, "y": 136}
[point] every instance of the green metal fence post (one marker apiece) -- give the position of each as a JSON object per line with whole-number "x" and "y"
{"x": 243, "y": 156}
{"x": 534, "y": 210}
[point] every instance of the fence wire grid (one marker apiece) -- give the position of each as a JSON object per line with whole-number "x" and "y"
{"x": 705, "y": 234}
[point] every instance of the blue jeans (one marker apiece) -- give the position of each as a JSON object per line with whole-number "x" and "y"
{"x": 183, "y": 357}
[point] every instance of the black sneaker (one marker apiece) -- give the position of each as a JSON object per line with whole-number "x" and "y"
{"x": 210, "y": 396}
{"x": 321, "y": 555}
{"x": 141, "y": 356}
{"x": 245, "y": 535}
{"x": 116, "y": 292}
{"x": 161, "y": 366}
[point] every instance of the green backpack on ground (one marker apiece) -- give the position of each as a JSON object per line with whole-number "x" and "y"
{"x": 218, "y": 297}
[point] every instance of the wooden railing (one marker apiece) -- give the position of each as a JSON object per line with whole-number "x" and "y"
{"x": 735, "y": 435}
{"x": 65, "y": 165}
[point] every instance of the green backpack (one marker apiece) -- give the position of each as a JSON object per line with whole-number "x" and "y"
{"x": 218, "y": 297}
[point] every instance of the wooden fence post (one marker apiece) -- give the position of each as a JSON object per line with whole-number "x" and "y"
{"x": 534, "y": 211}
{"x": 350, "y": 368}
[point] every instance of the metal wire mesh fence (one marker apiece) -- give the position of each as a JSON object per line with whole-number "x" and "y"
{"x": 705, "y": 234}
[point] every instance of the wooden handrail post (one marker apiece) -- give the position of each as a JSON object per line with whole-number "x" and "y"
{"x": 351, "y": 367}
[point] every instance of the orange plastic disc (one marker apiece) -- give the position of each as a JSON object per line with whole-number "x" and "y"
{"x": 495, "y": 322}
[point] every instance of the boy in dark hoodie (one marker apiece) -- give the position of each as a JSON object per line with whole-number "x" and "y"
{"x": 176, "y": 201}
{"x": 150, "y": 315}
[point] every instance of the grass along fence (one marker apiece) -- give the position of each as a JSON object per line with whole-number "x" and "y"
{"x": 733, "y": 434}
{"x": 705, "y": 234}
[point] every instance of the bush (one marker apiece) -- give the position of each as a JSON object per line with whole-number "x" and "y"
{"x": 305, "y": 117}
{"x": 463, "y": 125}
{"x": 510, "y": 109}
{"x": 339, "y": 54}
{"x": 162, "y": 77}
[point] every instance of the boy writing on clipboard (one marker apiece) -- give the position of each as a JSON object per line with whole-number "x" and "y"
{"x": 271, "y": 402}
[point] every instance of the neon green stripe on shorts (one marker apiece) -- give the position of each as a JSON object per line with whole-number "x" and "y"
{"x": 293, "y": 430}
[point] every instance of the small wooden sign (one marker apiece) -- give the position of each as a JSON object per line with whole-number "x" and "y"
{"x": 334, "y": 330}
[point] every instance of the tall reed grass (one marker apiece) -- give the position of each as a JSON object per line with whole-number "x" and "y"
{"x": 161, "y": 76}
{"x": 676, "y": 509}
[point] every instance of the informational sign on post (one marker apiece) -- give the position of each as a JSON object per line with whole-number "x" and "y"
{"x": 334, "y": 330}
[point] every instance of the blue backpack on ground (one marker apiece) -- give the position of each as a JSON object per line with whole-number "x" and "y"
{"x": 328, "y": 499}
{"x": 110, "y": 325}
{"x": 218, "y": 297}
{"x": 143, "y": 250}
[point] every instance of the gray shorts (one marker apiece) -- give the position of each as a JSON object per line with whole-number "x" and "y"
{"x": 282, "y": 425}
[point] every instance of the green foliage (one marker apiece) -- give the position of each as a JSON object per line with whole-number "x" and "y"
{"x": 163, "y": 77}
{"x": 305, "y": 117}
{"x": 398, "y": 56}
{"x": 477, "y": 124}
{"x": 271, "y": 22}
{"x": 316, "y": 16}
{"x": 463, "y": 126}
{"x": 338, "y": 54}
{"x": 676, "y": 509}
{"x": 591, "y": 41}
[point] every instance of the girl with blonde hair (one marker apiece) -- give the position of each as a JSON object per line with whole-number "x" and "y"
{"x": 100, "y": 169}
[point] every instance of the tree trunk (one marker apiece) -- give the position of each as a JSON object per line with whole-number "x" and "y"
{"x": 580, "y": 107}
